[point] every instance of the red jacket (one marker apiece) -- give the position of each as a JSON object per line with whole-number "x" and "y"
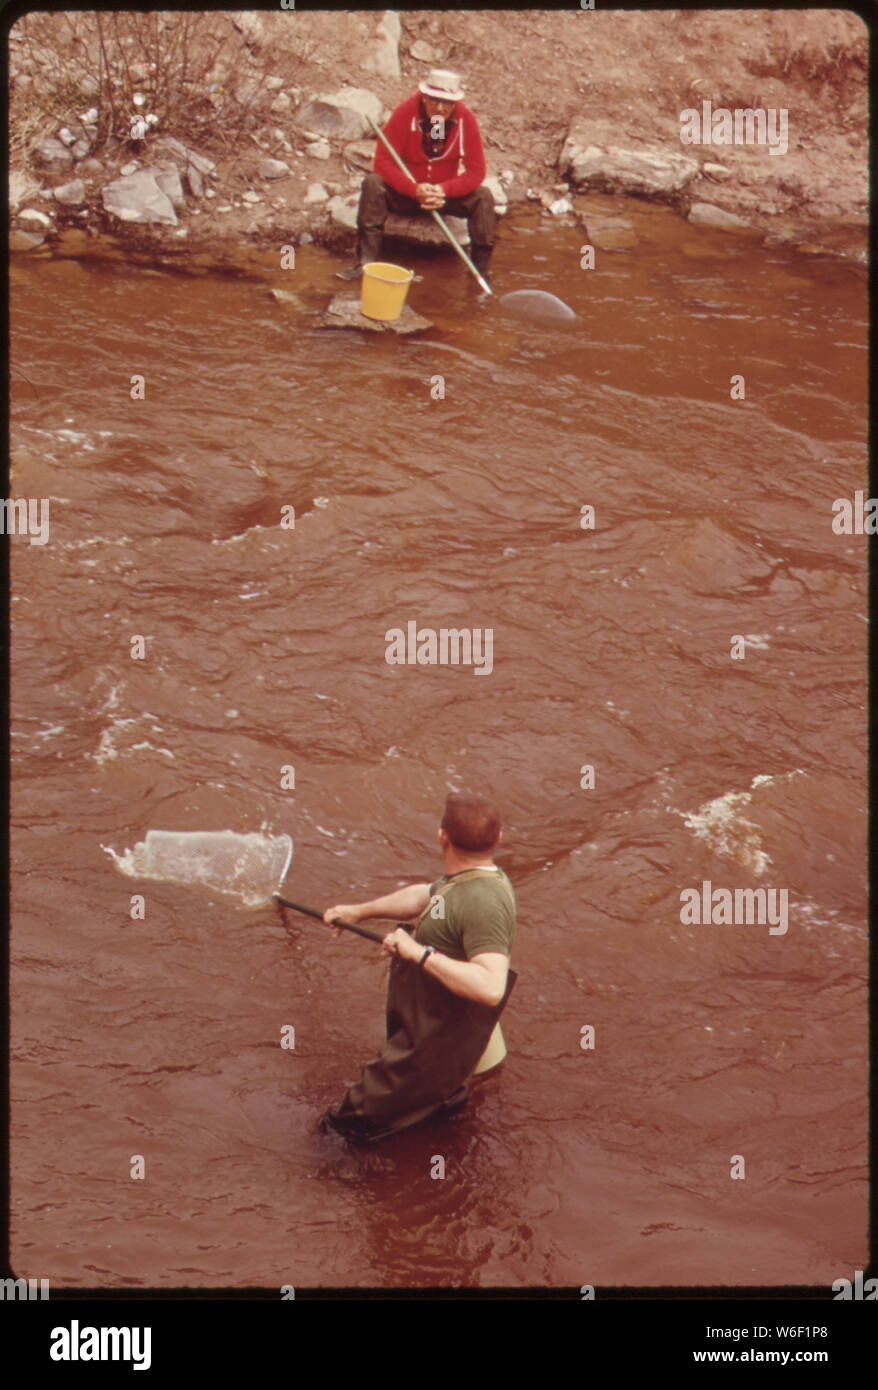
{"x": 460, "y": 169}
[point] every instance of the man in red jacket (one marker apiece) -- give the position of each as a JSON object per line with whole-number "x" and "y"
{"x": 438, "y": 139}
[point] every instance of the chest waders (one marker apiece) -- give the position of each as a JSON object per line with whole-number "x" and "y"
{"x": 435, "y": 1042}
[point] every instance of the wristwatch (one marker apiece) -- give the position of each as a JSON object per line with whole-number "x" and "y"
{"x": 430, "y": 951}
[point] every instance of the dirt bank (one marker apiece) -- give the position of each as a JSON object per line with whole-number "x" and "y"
{"x": 623, "y": 78}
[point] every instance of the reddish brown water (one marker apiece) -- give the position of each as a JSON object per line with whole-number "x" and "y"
{"x": 265, "y": 647}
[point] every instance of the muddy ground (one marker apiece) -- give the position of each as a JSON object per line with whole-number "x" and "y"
{"x": 529, "y": 75}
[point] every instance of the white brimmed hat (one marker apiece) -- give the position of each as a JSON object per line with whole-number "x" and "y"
{"x": 442, "y": 84}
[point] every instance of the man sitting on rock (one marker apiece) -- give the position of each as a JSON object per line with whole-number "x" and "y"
{"x": 438, "y": 139}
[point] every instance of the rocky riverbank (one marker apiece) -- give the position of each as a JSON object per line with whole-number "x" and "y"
{"x": 569, "y": 104}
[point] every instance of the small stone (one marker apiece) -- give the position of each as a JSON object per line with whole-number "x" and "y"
{"x": 706, "y": 215}
{"x": 24, "y": 241}
{"x": 498, "y": 193}
{"x": 560, "y": 207}
{"x": 91, "y": 168}
{"x": 280, "y": 105}
{"x": 71, "y": 195}
{"x": 80, "y": 149}
{"x": 717, "y": 171}
{"x": 305, "y": 239}
{"x": 344, "y": 211}
{"x": 286, "y": 297}
{"x": 273, "y": 168}
{"x": 53, "y": 157}
{"x": 130, "y": 168}
{"x": 319, "y": 149}
{"x": 35, "y": 218}
{"x": 251, "y": 196}
{"x": 65, "y": 136}
{"x": 424, "y": 52}
{"x": 316, "y": 193}
{"x": 274, "y": 84}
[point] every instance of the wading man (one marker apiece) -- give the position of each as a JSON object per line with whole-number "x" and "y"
{"x": 449, "y": 979}
{"x": 439, "y": 141}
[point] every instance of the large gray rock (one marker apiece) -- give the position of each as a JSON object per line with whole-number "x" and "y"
{"x": 383, "y": 55}
{"x": 168, "y": 179}
{"x": 71, "y": 195}
{"x": 183, "y": 156}
{"x": 629, "y": 171}
{"x": 421, "y": 230}
{"x": 341, "y": 115}
{"x": 53, "y": 157}
{"x": 21, "y": 186}
{"x": 138, "y": 198}
{"x": 706, "y": 215}
{"x": 424, "y": 231}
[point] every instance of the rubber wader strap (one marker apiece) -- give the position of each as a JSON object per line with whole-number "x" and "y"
{"x": 461, "y": 878}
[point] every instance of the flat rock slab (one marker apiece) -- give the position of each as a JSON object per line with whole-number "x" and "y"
{"x": 424, "y": 231}
{"x": 344, "y": 312}
{"x": 608, "y": 233}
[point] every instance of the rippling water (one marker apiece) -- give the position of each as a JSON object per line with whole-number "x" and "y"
{"x": 265, "y": 649}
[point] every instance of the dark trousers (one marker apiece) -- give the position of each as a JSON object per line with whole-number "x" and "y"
{"x": 377, "y": 199}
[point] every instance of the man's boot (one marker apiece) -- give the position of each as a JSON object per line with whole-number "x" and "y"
{"x": 368, "y": 249}
{"x": 480, "y": 256}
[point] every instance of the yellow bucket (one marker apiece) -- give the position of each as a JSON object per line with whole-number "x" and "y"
{"x": 384, "y": 290}
{"x": 493, "y": 1054}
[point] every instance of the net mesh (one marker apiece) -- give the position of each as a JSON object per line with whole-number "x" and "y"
{"x": 250, "y": 867}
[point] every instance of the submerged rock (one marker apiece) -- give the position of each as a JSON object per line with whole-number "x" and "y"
{"x": 608, "y": 233}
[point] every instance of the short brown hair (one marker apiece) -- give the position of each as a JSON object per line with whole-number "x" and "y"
{"x": 471, "y": 822}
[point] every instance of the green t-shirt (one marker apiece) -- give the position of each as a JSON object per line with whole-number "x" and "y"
{"x": 479, "y": 916}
